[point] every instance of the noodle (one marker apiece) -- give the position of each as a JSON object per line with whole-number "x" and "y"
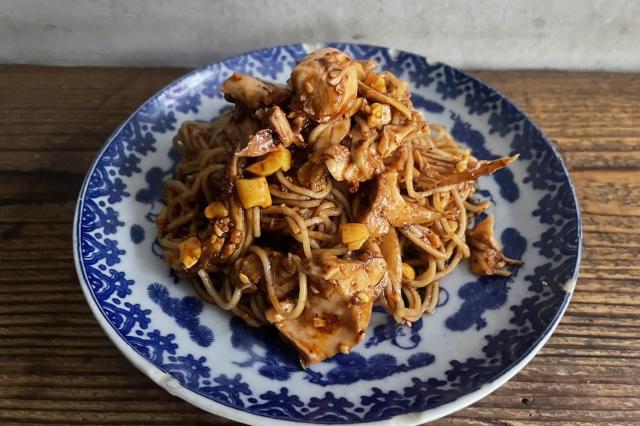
{"x": 213, "y": 293}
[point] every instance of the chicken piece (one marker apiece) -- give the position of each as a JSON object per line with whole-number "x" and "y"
{"x": 326, "y": 135}
{"x": 354, "y": 166}
{"x": 398, "y": 160}
{"x": 278, "y": 123}
{"x": 388, "y": 207}
{"x": 392, "y": 253}
{"x": 364, "y": 66}
{"x": 338, "y": 308}
{"x": 254, "y": 93}
{"x": 312, "y": 176}
{"x": 337, "y": 158}
{"x": 325, "y": 84}
{"x": 395, "y": 136}
{"x": 259, "y": 144}
{"x": 431, "y": 179}
{"x": 369, "y": 150}
{"x": 365, "y": 155}
{"x": 486, "y": 255}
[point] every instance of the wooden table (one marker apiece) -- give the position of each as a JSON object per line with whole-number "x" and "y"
{"x": 58, "y": 367}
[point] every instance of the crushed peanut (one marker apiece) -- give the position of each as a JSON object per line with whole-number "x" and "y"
{"x": 376, "y": 82}
{"x": 308, "y": 87}
{"x": 215, "y": 210}
{"x": 190, "y": 251}
{"x": 216, "y": 243}
{"x": 461, "y": 165}
{"x": 408, "y": 272}
{"x": 379, "y": 116}
{"x": 244, "y": 279}
{"x": 319, "y": 322}
{"x": 344, "y": 349}
{"x": 362, "y": 297}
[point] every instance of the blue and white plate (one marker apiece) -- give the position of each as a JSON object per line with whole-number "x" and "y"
{"x": 484, "y": 331}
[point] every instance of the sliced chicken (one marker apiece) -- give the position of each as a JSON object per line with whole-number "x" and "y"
{"x": 326, "y": 135}
{"x": 369, "y": 150}
{"x": 325, "y": 84}
{"x": 338, "y": 309}
{"x": 337, "y": 158}
{"x": 312, "y": 176}
{"x": 252, "y": 92}
{"x": 259, "y": 144}
{"x": 486, "y": 255}
{"x": 388, "y": 207}
{"x": 277, "y": 121}
{"x": 392, "y": 254}
{"x": 472, "y": 172}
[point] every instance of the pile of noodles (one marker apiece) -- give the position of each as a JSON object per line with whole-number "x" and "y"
{"x": 302, "y": 223}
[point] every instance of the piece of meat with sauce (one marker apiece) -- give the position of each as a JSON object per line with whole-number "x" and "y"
{"x": 277, "y": 122}
{"x": 369, "y": 151}
{"x": 259, "y": 144}
{"x": 472, "y": 172}
{"x": 338, "y": 309}
{"x": 325, "y": 84}
{"x": 254, "y": 93}
{"x": 388, "y": 207}
{"x": 486, "y": 254}
{"x": 327, "y": 135}
{"x": 312, "y": 176}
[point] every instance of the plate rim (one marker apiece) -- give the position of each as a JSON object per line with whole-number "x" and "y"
{"x": 172, "y": 386}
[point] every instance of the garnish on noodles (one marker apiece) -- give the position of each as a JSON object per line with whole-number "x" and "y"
{"x": 307, "y": 203}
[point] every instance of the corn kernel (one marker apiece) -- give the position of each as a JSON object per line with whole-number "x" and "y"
{"x": 274, "y": 161}
{"x": 354, "y": 235}
{"x": 461, "y": 165}
{"x": 319, "y": 322}
{"x": 253, "y": 192}
{"x": 379, "y": 116}
{"x": 190, "y": 252}
{"x": 376, "y": 82}
{"x": 244, "y": 279}
{"x": 362, "y": 297}
{"x": 216, "y": 243}
{"x": 356, "y": 245}
{"x": 408, "y": 272}
{"x": 351, "y": 232}
{"x": 215, "y": 210}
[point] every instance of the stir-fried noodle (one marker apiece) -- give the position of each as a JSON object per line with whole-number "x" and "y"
{"x": 309, "y": 202}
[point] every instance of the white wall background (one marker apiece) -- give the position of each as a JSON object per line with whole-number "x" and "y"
{"x": 568, "y": 34}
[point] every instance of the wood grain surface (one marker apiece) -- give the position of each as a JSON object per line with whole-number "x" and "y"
{"x": 58, "y": 367}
